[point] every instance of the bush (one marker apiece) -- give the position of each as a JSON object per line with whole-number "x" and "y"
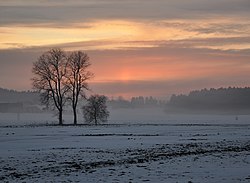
{"x": 95, "y": 111}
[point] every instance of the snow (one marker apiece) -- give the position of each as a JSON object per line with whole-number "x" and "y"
{"x": 203, "y": 150}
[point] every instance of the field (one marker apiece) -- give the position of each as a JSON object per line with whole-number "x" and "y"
{"x": 179, "y": 150}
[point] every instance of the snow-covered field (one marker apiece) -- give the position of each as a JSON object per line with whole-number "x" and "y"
{"x": 194, "y": 151}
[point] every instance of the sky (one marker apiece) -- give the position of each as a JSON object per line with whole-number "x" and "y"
{"x": 136, "y": 47}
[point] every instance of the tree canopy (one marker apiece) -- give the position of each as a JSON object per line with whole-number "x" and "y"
{"x": 95, "y": 111}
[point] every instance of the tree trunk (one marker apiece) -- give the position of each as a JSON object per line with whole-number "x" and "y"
{"x": 60, "y": 117}
{"x": 75, "y": 115}
{"x": 95, "y": 120}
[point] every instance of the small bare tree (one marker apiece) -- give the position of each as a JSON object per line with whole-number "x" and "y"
{"x": 77, "y": 77}
{"x": 50, "y": 71}
{"x": 95, "y": 111}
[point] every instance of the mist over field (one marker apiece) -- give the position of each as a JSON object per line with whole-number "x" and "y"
{"x": 214, "y": 106}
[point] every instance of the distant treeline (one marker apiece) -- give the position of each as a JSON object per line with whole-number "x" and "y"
{"x": 13, "y": 96}
{"x": 223, "y": 100}
{"x": 227, "y": 100}
{"x": 12, "y": 101}
{"x": 136, "y": 102}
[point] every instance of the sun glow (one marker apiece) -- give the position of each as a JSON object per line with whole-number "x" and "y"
{"x": 125, "y": 75}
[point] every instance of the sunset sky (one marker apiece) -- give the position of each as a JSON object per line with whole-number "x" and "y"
{"x": 136, "y": 47}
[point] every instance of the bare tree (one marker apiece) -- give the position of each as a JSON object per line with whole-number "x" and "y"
{"x": 77, "y": 75}
{"x": 95, "y": 111}
{"x": 50, "y": 71}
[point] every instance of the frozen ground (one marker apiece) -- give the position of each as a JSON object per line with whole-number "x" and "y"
{"x": 191, "y": 152}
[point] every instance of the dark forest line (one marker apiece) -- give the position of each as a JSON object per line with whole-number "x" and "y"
{"x": 222, "y": 100}
{"x": 13, "y": 96}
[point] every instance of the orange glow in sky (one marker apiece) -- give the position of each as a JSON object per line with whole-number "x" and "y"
{"x": 131, "y": 40}
{"x": 112, "y": 34}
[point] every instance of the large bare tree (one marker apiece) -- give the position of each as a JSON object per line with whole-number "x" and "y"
{"x": 77, "y": 75}
{"x": 49, "y": 80}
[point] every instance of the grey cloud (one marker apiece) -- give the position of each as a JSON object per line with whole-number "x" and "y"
{"x": 196, "y": 46}
{"x": 208, "y": 42}
{"x": 196, "y": 42}
{"x": 66, "y": 12}
{"x": 229, "y": 28}
{"x": 233, "y": 28}
{"x": 190, "y": 49}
